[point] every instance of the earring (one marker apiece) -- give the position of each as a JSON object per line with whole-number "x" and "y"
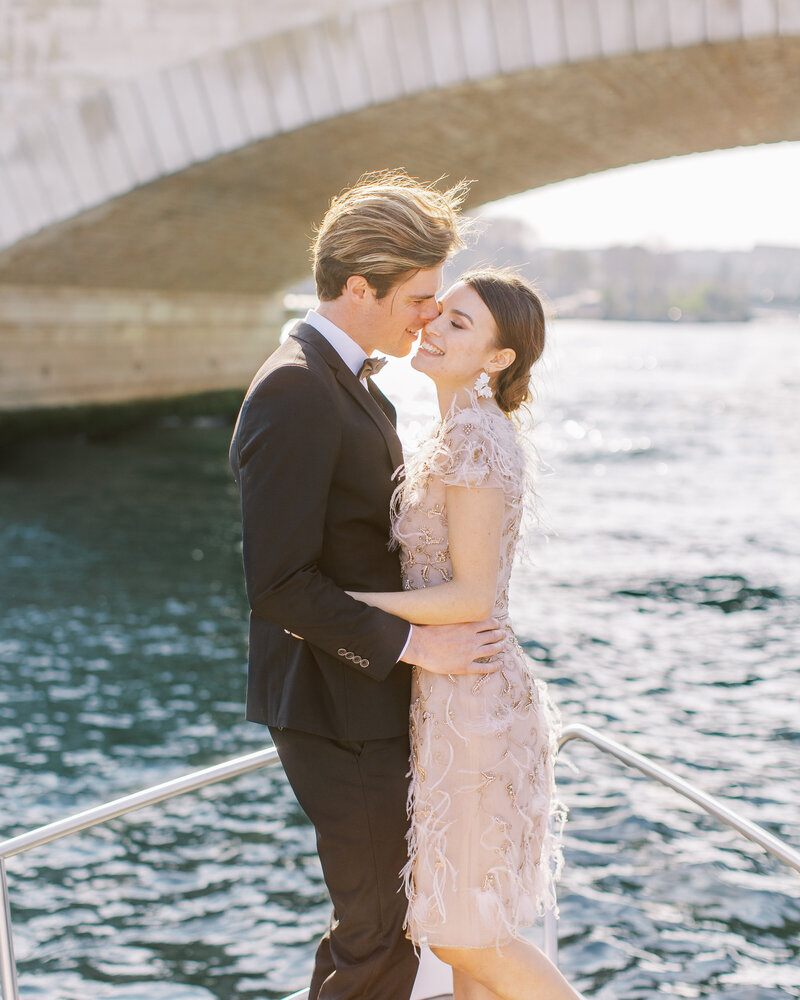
{"x": 482, "y": 387}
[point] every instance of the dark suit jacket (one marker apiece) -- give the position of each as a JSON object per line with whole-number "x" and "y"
{"x": 313, "y": 455}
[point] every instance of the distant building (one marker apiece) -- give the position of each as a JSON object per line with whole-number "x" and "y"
{"x": 637, "y": 283}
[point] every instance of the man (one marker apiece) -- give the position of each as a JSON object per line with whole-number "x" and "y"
{"x": 313, "y": 454}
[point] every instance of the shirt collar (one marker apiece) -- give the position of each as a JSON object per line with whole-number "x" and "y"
{"x": 347, "y": 349}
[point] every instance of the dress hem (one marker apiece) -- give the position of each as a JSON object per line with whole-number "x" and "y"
{"x": 500, "y": 943}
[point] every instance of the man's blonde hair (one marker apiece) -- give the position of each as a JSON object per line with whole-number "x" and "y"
{"x": 385, "y": 227}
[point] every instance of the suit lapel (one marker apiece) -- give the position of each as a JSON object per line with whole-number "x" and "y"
{"x": 368, "y": 401}
{"x": 384, "y": 403}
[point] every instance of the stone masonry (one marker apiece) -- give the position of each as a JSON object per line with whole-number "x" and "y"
{"x": 208, "y": 175}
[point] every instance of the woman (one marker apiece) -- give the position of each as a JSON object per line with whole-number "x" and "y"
{"x": 481, "y": 799}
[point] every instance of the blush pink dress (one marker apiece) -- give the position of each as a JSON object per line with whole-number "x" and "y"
{"x": 483, "y": 854}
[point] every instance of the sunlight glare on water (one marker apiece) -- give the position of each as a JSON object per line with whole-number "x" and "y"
{"x": 659, "y": 600}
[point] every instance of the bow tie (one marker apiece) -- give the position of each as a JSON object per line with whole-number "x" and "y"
{"x": 371, "y": 367}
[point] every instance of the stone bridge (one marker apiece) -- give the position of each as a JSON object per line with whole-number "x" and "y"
{"x": 201, "y": 181}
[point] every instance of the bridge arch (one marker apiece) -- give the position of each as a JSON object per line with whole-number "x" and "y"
{"x": 209, "y": 175}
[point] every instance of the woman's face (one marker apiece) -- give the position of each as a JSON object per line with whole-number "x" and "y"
{"x": 460, "y": 343}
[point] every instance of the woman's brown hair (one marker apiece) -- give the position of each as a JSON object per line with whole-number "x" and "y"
{"x": 519, "y": 317}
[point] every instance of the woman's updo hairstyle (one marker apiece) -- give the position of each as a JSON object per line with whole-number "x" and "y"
{"x": 519, "y": 317}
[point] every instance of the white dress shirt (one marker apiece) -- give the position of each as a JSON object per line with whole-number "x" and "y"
{"x": 354, "y": 357}
{"x": 348, "y": 350}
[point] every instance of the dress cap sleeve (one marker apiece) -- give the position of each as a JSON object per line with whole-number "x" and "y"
{"x": 477, "y": 448}
{"x": 468, "y": 455}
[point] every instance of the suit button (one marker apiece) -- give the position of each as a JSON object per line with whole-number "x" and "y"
{"x": 350, "y": 656}
{"x": 365, "y": 663}
{"x": 357, "y": 661}
{"x": 342, "y": 652}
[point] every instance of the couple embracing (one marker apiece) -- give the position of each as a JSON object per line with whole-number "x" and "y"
{"x": 379, "y": 631}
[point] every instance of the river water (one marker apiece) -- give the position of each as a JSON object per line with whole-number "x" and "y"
{"x": 660, "y": 599}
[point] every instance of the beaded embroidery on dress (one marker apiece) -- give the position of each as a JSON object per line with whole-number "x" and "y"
{"x": 482, "y": 857}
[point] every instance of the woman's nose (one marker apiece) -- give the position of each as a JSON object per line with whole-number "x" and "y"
{"x": 432, "y": 325}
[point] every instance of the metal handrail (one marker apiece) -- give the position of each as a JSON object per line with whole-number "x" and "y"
{"x": 101, "y": 814}
{"x": 771, "y": 844}
{"x": 262, "y": 758}
{"x": 137, "y": 800}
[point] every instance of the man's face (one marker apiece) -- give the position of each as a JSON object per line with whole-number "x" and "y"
{"x": 396, "y": 319}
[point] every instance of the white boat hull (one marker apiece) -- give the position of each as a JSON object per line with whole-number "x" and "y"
{"x": 434, "y": 980}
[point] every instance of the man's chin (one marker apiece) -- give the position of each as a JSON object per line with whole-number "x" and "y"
{"x": 398, "y": 350}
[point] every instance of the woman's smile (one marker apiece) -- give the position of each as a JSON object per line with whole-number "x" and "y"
{"x": 429, "y": 348}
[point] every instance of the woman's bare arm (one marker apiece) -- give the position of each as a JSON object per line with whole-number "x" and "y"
{"x": 475, "y": 521}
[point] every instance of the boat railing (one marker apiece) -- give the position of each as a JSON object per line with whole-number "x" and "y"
{"x": 87, "y": 818}
{"x": 237, "y": 766}
{"x": 752, "y": 831}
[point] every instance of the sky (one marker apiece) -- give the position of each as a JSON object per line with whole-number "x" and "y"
{"x": 725, "y": 200}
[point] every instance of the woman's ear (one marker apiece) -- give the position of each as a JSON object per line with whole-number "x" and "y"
{"x": 501, "y": 359}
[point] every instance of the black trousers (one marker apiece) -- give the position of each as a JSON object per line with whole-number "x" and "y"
{"x": 355, "y": 793}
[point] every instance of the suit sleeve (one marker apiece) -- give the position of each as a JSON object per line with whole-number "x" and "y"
{"x": 286, "y": 450}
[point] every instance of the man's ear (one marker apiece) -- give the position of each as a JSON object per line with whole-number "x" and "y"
{"x": 357, "y": 287}
{"x": 501, "y": 359}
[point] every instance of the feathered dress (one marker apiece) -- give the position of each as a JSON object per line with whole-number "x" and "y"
{"x": 483, "y": 850}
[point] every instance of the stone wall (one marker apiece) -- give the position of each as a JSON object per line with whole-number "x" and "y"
{"x": 163, "y": 162}
{"x": 60, "y": 346}
{"x": 63, "y": 50}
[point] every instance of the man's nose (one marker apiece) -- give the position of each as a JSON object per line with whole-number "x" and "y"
{"x": 430, "y": 310}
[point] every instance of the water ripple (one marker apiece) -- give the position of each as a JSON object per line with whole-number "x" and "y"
{"x": 661, "y": 607}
